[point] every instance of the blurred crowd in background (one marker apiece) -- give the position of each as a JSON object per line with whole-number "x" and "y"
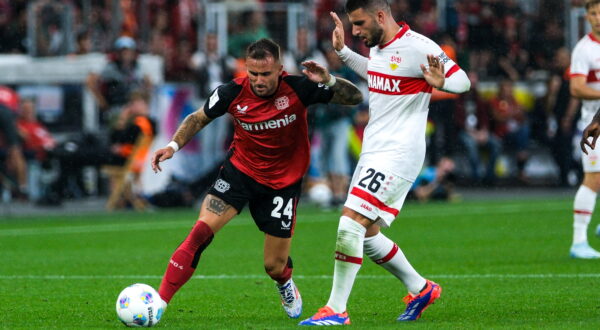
{"x": 518, "y": 115}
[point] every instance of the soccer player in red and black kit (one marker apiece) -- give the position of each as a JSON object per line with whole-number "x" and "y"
{"x": 267, "y": 160}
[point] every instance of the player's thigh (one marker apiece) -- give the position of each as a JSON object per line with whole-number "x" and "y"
{"x": 274, "y": 211}
{"x": 276, "y": 250}
{"x": 216, "y": 212}
{"x": 225, "y": 198}
{"x": 377, "y": 193}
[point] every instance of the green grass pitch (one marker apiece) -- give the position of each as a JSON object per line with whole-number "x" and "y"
{"x": 501, "y": 264}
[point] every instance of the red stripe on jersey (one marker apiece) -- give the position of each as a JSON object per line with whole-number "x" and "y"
{"x": 591, "y": 35}
{"x": 593, "y": 76}
{"x": 389, "y": 256}
{"x": 344, "y": 257}
{"x": 452, "y": 70}
{"x": 582, "y": 212}
{"x": 398, "y": 35}
{"x": 373, "y": 200}
{"x": 394, "y": 85}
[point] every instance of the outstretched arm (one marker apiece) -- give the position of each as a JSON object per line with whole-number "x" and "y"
{"x": 457, "y": 82}
{"x": 591, "y": 131}
{"x": 191, "y": 125}
{"x": 344, "y": 91}
{"x": 353, "y": 60}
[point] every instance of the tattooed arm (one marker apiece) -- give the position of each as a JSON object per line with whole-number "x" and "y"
{"x": 344, "y": 91}
{"x": 191, "y": 125}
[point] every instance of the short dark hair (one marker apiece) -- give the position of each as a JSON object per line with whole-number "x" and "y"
{"x": 262, "y": 49}
{"x": 368, "y": 5}
{"x": 590, "y": 3}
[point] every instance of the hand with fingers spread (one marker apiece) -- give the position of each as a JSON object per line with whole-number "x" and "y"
{"x": 316, "y": 72}
{"x": 434, "y": 74}
{"x": 592, "y": 130}
{"x": 161, "y": 155}
{"x": 337, "y": 37}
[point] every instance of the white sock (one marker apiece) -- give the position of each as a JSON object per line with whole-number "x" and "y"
{"x": 585, "y": 201}
{"x": 348, "y": 259}
{"x": 384, "y": 252}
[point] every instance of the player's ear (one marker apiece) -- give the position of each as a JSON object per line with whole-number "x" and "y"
{"x": 380, "y": 17}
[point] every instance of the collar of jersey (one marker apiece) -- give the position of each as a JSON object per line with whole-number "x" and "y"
{"x": 591, "y": 35}
{"x": 403, "y": 29}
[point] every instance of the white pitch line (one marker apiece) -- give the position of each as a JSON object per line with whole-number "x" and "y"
{"x": 410, "y": 214}
{"x": 308, "y": 277}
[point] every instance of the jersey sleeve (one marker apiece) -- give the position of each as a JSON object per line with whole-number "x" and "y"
{"x": 308, "y": 91}
{"x": 219, "y": 100}
{"x": 450, "y": 67}
{"x": 579, "y": 64}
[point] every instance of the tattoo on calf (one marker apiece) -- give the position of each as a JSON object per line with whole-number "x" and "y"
{"x": 217, "y": 206}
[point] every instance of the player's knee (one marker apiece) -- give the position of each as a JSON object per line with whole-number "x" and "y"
{"x": 349, "y": 232}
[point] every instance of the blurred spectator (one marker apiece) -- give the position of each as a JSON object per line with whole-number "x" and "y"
{"x": 84, "y": 43}
{"x": 333, "y": 122}
{"x": 180, "y": 67}
{"x": 442, "y": 111}
{"x": 435, "y": 182}
{"x": 211, "y": 69}
{"x": 13, "y": 163}
{"x": 13, "y": 28}
{"x": 510, "y": 124}
{"x": 305, "y": 50}
{"x": 37, "y": 142}
{"x": 87, "y": 150}
{"x": 121, "y": 76}
{"x": 52, "y": 28}
{"x": 561, "y": 109}
{"x": 249, "y": 28}
{"x": 473, "y": 119}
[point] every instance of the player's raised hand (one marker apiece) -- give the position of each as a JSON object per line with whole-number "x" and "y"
{"x": 316, "y": 72}
{"x": 592, "y": 130}
{"x": 434, "y": 75}
{"x": 161, "y": 155}
{"x": 337, "y": 38}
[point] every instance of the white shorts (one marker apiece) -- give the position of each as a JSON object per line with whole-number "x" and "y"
{"x": 591, "y": 161}
{"x": 377, "y": 194}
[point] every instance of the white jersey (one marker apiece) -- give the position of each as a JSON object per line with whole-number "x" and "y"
{"x": 585, "y": 61}
{"x": 399, "y": 101}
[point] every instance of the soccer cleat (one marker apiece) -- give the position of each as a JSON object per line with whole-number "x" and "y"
{"x": 163, "y": 304}
{"x": 290, "y": 299}
{"x": 583, "y": 251}
{"x": 415, "y": 305}
{"x": 326, "y": 316}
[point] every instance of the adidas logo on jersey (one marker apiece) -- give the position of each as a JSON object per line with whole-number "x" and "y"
{"x": 268, "y": 124}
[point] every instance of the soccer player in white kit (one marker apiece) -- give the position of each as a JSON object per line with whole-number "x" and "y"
{"x": 585, "y": 84}
{"x": 402, "y": 68}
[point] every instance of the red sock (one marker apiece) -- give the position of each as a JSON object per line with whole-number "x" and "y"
{"x": 185, "y": 259}
{"x": 286, "y": 274}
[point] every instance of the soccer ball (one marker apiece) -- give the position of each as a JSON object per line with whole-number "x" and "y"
{"x": 320, "y": 194}
{"x": 139, "y": 305}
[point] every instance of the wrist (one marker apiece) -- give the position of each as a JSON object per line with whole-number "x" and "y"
{"x": 173, "y": 146}
{"x": 445, "y": 85}
{"x": 331, "y": 82}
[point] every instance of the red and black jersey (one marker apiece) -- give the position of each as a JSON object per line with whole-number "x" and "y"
{"x": 270, "y": 142}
